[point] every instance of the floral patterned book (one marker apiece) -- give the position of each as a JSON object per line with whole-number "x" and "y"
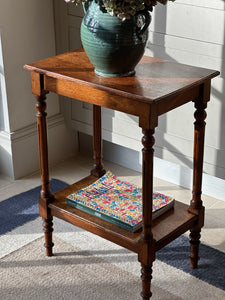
{"x": 117, "y": 201}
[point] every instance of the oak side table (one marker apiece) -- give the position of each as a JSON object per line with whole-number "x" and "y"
{"x": 157, "y": 87}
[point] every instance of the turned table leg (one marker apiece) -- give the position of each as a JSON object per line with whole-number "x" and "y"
{"x": 146, "y": 277}
{"x": 98, "y": 169}
{"x": 196, "y": 206}
{"x": 147, "y": 254}
{"x": 48, "y": 229}
{"x": 45, "y": 196}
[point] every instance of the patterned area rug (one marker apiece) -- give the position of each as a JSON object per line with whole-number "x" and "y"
{"x": 70, "y": 274}
{"x": 87, "y": 267}
{"x": 73, "y": 273}
{"x": 23, "y": 207}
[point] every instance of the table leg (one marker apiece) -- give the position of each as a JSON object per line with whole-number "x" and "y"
{"x": 146, "y": 277}
{"x": 48, "y": 229}
{"x": 196, "y": 206}
{"x": 45, "y": 196}
{"x": 147, "y": 255}
{"x": 98, "y": 169}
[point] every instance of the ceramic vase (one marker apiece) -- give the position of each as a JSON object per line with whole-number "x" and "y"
{"x": 114, "y": 46}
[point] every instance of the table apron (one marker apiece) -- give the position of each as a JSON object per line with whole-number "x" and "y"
{"x": 175, "y": 100}
{"x": 94, "y": 95}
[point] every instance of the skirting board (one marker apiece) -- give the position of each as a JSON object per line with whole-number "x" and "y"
{"x": 180, "y": 175}
{"x": 6, "y": 162}
{"x": 21, "y": 157}
{"x": 177, "y": 174}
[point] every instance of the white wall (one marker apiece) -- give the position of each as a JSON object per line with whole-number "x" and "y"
{"x": 192, "y": 32}
{"x": 187, "y": 31}
{"x": 27, "y": 34}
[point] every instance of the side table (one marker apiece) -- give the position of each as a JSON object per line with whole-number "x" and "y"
{"x": 157, "y": 87}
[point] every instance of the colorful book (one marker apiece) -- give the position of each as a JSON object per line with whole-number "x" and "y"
{"x": 117, "y": 201}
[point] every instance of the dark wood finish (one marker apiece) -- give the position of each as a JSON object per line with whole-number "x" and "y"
{"x": 158, "y": 87}
{"x": 196, "y": 205}
{"x": 147, "y": 255}
{"x": 146, "y": 277}
{"x": 46, "y": 196}
{"x": 98, "y": 169}
{"x": 156, "y": 81}
{"x": 147, "y": 185}
{"x": 48, "y": 229}
{"x": 179, "y": 220}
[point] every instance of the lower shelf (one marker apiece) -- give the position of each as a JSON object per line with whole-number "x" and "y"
{"x": 165, "y": 228}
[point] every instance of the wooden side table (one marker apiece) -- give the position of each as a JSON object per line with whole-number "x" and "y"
{"x": 158, "y": 87}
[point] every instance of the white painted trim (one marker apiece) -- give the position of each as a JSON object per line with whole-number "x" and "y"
{"x": 181, "y": 175}
{"x": 6, "y": 163}
{"x": 215, "y": 4}
{"x": 163, "y": 169}
{"x": 19, "y": 149}
{"x": 4, "y": 136}
{"x": 193, "y": 47}
{"x": 31, "y": 130}
{"x": 169, "y": 171}
{"x": 4, "y": 118}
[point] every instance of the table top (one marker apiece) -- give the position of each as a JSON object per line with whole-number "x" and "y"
{"x": 154, "y": 78}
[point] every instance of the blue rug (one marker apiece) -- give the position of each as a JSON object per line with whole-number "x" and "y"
{"x": 211, "y": 266}
{"x": 22, "y": 208}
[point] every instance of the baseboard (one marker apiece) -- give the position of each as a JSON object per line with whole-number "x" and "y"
{"x": 171, "y": 172}
{"x": 180, "y": 175}
{"x": 6, "y": 162}
{"x": 24, "y": 147}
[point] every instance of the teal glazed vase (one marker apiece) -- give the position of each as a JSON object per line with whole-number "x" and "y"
{"x": 113, "y": 46}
